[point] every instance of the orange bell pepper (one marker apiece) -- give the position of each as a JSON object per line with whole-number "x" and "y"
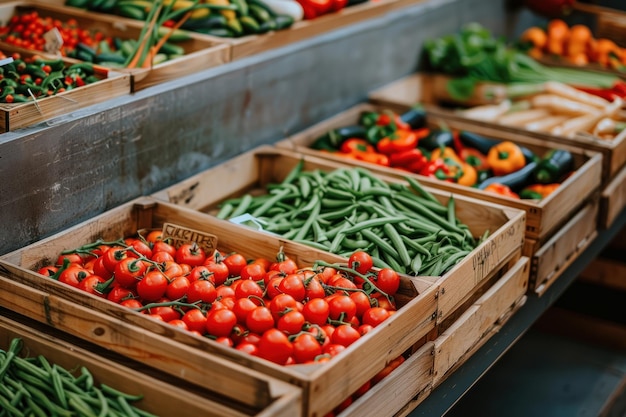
{"x": 505, "y": 157}
{"x": 399, "y": 141}
{"x": 501, "y": 189}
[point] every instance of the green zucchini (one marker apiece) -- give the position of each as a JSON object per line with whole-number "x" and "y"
{"x": 224, "y": 32}
{"x": 267, "y": 26}
{"x": 554, "y": 165}
{"x": 242, "y": 7}
{"x": 171, "y": 49}
{"x": 283, "y": 21}
{"x": 515, "y": 180}
{"x": 176, "y": 36}
{"x": 213, "y": 21}
{"x": 81, "y": 4}
{"x": 262, "y": 5}
{"x": 116, "y": 57}
{"x": 132, "y": 12}
{"x": 260, "y": 13}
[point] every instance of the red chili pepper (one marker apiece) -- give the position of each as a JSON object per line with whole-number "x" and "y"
{"x": 605, "y": 93}
{"x": 386, "y": 118}
{"x": 437, "y": 169}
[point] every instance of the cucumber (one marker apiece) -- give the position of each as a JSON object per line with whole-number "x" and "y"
{"x": 263, "y": 5}
{"x": 283, "y": 21}
{"x": 171, "y": 49}
{"x": 107, "y": 6}
{"x": 81, "y": 4}
{"x": 132, "y": 12}
{"x": 116, "y": 57}
{"x": 224, "y": 32}
{"x": 554, "y": 165}
{"x": 249, "y": 25}
{"x": 176, "y": 36}
{"x": 213, "y": 21}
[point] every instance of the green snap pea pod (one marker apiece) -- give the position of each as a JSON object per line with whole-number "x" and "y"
{"x": 57, "y": 386}
{"x": 386, "y": 203}
{"x": 415, "y": 246}
{"x": 423, "y": 225}
{"x": 6, "y": 405}
{"x": 40, "y": 383}
{"x": 393, "y": 263}
{"x": 431, "y": 264}
{"x": 334, "y": 203}
{"x": 435, "y": 207}
{"x": 378, "y": 191}
{"x": 363, "y": 216}
{"x": 381, "y": 243}
{"x": 7, "y": 393}
{"x": 355, "y": 244}
{"x": 313, "y": 244}
{"x": 339, "y": 194}
{"x": 305, "y": 186}
{"x": 290, "y": 234}
{"x": 336, "y": 242}
{"x": 428, "y": 214}
{"x": 225, "y": 211}
{"x": 451, "y": 211}
{"x": 243, "y": 206}
{"x": 284, "y": 227}
{"x": 79, "y": 405}
{"x": 308, "y": 223}
{"x": 374, "y": 179}
{"x": 110, "y": 391}
{"x": 313, "y": 204}
{"x": 104, "y": 405}
{"x": 379, "y": 263}
{"x": 416, "y": 263}
{"x": 365, "y": 183}
{"x": 368, "y": 224}
{"x": 415, "y": 185}
{"x": 41, "y": 399}
{"x": 270, "y": 202}
{"x": 449, "y": 262}
{"x": 126, "y": 408}
{"x": 338, "y": 214}
{"x": 85, "y": 378}
{"x": 142, "y": 413}
{"x": 35, "y": 408}
{"x": 14, "y": 347}
{"x": 294, "y": 173}
{"x": 355, "y": 179}
{"x": 397, "y": 243}
{"x": 318, "y": 232}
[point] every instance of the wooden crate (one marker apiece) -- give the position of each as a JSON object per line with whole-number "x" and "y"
{"x": 613, "y": 199}
{"x": 200, "y": 52}
{"x": 479, "y": 322}
{"x": 264, "y": 165}
{"x": 19, "y": 115}
{"x": 418, "y": 88}
{"x": 550, "y": 257}
{"x": 542, "y": 217}
{"x": 159, "y": 397}
{"x": 162, "y": 346}
{"x": 305, "y": 29}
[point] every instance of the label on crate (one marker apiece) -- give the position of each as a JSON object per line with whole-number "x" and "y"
{"x": 180, "y": 235}
{"x": 54, "y": 41}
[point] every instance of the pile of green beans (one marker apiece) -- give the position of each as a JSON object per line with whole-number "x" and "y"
{"x": 34, "y": 387}
{"x": 403, "y": 227}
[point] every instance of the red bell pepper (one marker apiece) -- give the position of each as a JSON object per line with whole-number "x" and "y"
{"x": 400, "y": 141}
{"x": 412, "y": 160}
{"x": 437, "y": 169}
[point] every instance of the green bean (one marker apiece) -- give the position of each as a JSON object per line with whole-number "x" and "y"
{"x": 428, "y": 214}
{"x": 355, "y": 179}
{"x": 449, "y": 262}
{"x": 318, "y": 232}
{"x": 309, "y": 222}
{"x": 6, "y": 405}
{"x": 397, "y": 242}
{"x": 312, "y": 204}
{"x": 451, "y": 211}
{"x": 382, "y": 244}
{"x": 415, "y": 185}
{"x": 57, "y": 386}
{"x": 338, "y": 214}
{"x": 79, "y": 405}
{"x": 36, "y": 409}
{"x": 246, "y": 200}
{"x": 270, "y": 202}
{"x": 316, "y": 245}
{"x": 225, "y": 210}
{"x": 365, "y": 183}
{"x": 416, "y": 263}
{"x": 334, "y": 203}
{"x": 340, "y": 194}
{"x": 305, "y": 186}
{"x": 373, "y": 223}
{"x": 379, "y": 263}
{"x": 14, "y": 347}
{"x": 294, "y": 173}
{"x": 104, "y": 405}
{"x": 126, "y": 408}
{"x": 393, "y": 263}
{"x": 435, "y": 207}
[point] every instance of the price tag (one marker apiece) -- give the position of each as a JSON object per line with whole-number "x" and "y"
{"x": 54, "y": 41}
{"x": 180, "y": 235}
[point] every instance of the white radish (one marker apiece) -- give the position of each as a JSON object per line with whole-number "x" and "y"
{"x": 487, "y": 112}
{"x": 561, "y": 105}
{"x": 545, "y": 124}
{"x": 572, "y": 93}
{"x": 520, "y": 118}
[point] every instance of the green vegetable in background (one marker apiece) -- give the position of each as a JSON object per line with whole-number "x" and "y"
{"x": 474, "y": 55}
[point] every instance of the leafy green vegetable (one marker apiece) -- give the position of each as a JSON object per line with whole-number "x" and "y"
{"x": 474, "y": 55}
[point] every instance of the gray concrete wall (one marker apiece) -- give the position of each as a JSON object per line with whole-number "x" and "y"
{"x": 74, "y": 167}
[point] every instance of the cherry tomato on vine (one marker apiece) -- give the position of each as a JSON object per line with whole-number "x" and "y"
{"x": 286, "y": 266}
{"x": 195, "y": 320}
{"x": 129, "y": 271}
{"x": 220, "y": 322}
{"x": 253, "y": 271}
{"x": 73, "y": 275}
{"x": 152, "y": 286}
{"x": 48, "y": 271}
{"x": 163, "y": 246}
{"x": 201, "y": 290}
{"x": 375, "y": 315}
{"x": 260, "y": 320}
{"x": 113, "y": 256}
{"x": 345, "y": 335}
{"x": 362, "y": 302}
{"x": 132, "y": 303}
{"x": 190, "y": 254}
{"x": 91, "y": 284}
{"x": 242, "y": 307}
{"x": 247, "y": 288}
{"x": 73, "y": 258}
{"x": 314, "y": 288}
{"x": 162, "y": 256}
{"x": 281, "y": 304}
{"x": 361, "y": 262}
{"x": 119, "y": 294}
{"x": 275, "y": 346}
{"x": 177, "y": 288}
{"x": 341, "y": 307}
{"x": 168, "y": 313}
{"x": 235, "y": 263}
{"x": 248, "y": 347}
{"x": 178, "y": 323}
{"x": 388, "y": 281}
{"x": 293, "y": 284}
{"x": 316, "y": 311}
{"x": 306, "y": 348}
{"x": 291, "y": 322}
{"x": 219, "y": 271}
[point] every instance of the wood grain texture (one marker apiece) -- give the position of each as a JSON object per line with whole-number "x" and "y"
{"x": 613, "y": 199}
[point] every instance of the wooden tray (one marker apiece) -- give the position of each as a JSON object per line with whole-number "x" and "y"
{"x": 19, "y": 115}
{"x": 181, "y": 353}
{"x": 305, "y": 29}
{"x": 264, "y": 165}
{"x": 160, "y": 398}
{"x": 417, "y": 88}
{"x": 200, "y": 52}
{"x": 607, "y": 272}
{"x": 480, "y": 321}
{"x": 542, "y": 217}
{"x": 551, "y": 257}
{"x": 613, "y": 199}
